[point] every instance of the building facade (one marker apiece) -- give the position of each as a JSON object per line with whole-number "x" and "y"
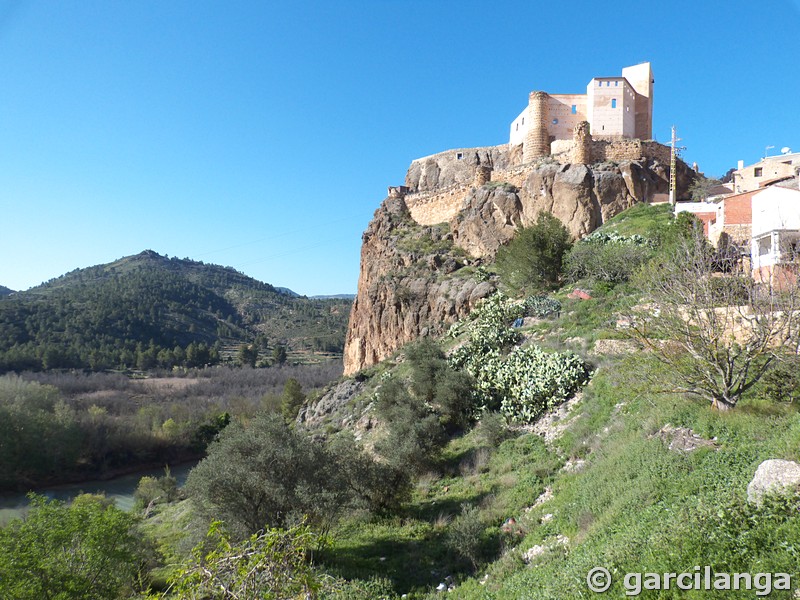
{"x": 615, "y": 108}
{"x": 765, "y": 172}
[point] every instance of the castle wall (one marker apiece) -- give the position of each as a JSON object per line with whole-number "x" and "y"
{"x": 562, "y": 120}
{"x": 616, "y": 150}
{"x": 430, "y": 208}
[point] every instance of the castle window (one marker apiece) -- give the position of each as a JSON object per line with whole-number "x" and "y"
{"x": 459, "y": 156}
{"x": 758, "y": 172}
{"x": 574, "y": 109}
{"x": 523, "y": 120}
{"x": 616, "y": 84}
{"x": 613, "y": 103}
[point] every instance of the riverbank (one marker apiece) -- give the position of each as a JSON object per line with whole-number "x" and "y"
{"x": 120, "y": 489}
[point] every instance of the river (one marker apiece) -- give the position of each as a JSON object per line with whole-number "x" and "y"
{"x": 120, "y": 489}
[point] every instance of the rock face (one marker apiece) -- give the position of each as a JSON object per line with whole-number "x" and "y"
{"x": 773, "y": 476}
{"x": 410, "y": 282}
{"x": 408, "y": 287}
{"x": 580, "y": 196}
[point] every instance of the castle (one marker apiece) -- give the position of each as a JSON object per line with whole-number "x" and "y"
{"x": 611, "y": 123}
{"x": 614, "y": 107}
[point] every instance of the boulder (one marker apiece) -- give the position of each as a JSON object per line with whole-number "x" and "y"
{"x": 772, "y": 476}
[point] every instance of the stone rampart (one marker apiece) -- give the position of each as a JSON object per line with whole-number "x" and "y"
{"x": 430, "y": 208}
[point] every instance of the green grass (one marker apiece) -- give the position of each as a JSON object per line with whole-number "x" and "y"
{"x": 640, "y": 218}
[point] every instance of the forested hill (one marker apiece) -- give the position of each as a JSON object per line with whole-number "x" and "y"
{"x": 4, "y": 291}
{"x": 150, "y": 311}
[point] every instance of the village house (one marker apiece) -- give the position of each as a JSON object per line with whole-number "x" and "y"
{"x": 767, "y": 171}
{"x": 775, "y": 235}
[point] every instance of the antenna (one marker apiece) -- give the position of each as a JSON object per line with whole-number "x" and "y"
{"x": 672, "y": 167}
{"x": 766, "y": 151}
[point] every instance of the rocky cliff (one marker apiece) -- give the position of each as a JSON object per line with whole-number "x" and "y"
{"x": 412, "y": 283}
{"x": 416, "y": 278}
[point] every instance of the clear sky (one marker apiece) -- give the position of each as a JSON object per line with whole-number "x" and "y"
{"x": 262, "y": 135}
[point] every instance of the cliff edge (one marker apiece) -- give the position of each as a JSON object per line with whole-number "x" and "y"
{"x": 420, "y": 251}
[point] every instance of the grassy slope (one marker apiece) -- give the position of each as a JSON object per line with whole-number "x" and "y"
{"x": 635, "y": 506}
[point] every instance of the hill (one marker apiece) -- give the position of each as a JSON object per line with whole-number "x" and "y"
{"x": 4, "y": 291}
{"x": 150, "y": 310}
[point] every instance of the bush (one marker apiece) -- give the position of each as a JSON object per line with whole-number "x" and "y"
{"x": 155, "y": 490}
{"x": 522, "y": 383}
{"x": 464, "y": 536}
{"x": 415, "y": 435}
{"x": 272, "y": 564}
{"x": 87, "y": 550}
{"x": 533, "y": 258}
{"x": 608, "y": 257}
{"x": 267, "y": 474}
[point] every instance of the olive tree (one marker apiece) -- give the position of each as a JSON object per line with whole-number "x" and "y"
{"x": 267, "y": 474}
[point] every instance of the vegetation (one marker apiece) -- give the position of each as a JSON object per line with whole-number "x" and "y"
{"x": 266, "y": 474}
{"x": 718, "y": 336}
{"x": 608, "y": 257}
{"x": 521, "y": 381}
{"x": 88, "y": 549}
{"x": 532, "y": 260}
{"x": 436, "y": 480}
{"x": 96, "y": 424}
{"x": 148, "y": 311}
{"x": 271, "y": 564}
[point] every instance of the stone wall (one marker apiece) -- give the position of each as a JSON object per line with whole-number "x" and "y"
{"x": 430, "y": 208}
{"x": 616, "y": 150}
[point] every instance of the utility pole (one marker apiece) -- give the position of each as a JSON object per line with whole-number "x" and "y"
{"x": 673, "y": 160}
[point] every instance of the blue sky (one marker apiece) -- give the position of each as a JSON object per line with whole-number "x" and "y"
{"x": 262, "y": 135}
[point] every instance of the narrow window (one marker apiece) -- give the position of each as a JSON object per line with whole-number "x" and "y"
{"x": 574, "y": 109}
{"x": 517, "y": 127}
{"x": 616, "y": 84}
{"x": 613, "y": 103}
{"x": 523, "y": 120}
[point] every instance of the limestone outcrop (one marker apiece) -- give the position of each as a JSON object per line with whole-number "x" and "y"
{"x": 412, "y": 281}
{"x": 409, "y": 286}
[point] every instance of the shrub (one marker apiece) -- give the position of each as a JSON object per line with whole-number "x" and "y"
{"x": 533, "y": 258}
{"x": 267, "y": 474}
{"x": 464, "y": 536}
{"x": 87, "y": 550}
{"x": 526, "y": 381}
{"x": 608, "y": 257}
{"x": 415, "y": 435}
{"x": 155, "y": 490}
{"x": 272, "y": 564}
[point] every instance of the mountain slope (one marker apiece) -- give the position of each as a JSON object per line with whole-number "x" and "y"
{"x": 127, "y": 312}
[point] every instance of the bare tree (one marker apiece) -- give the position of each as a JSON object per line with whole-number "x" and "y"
{"x": 718, "y": 334}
